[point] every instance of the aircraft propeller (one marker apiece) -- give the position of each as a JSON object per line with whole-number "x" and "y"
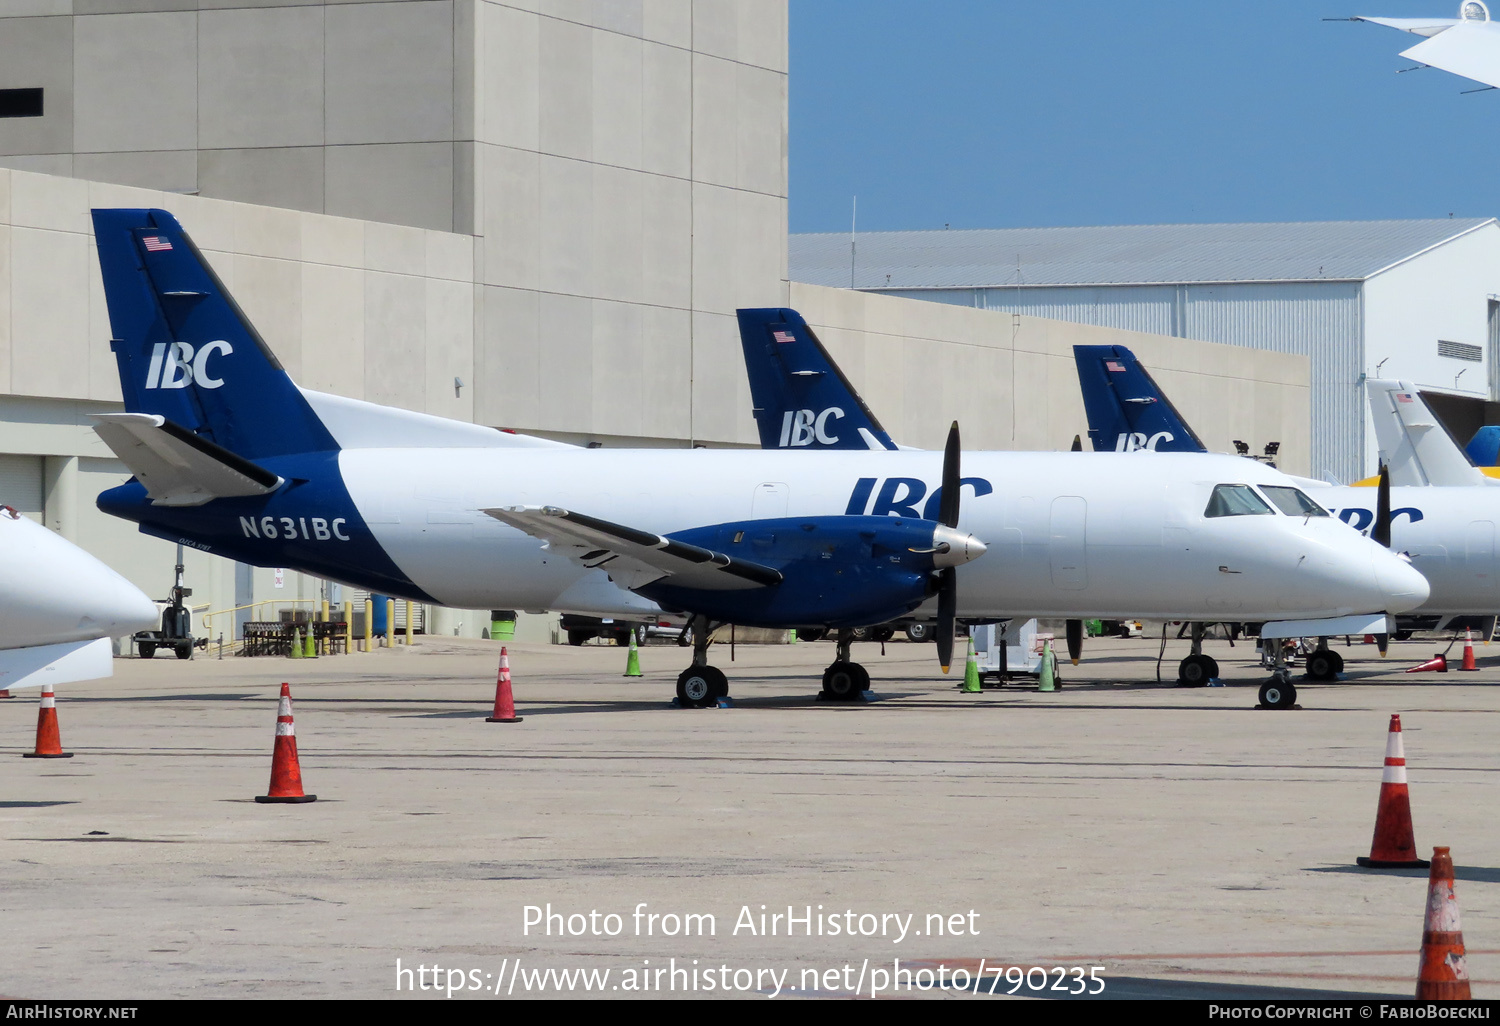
{"x": 947, "y": 588}
{"x": 1380, "y": 531}
{"x": 1075, "y": 627}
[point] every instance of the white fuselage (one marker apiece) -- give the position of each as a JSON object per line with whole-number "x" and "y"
{"x": 1068, "y": 534}
{"x": 1449, "y": 534}
{"x": 51, "y": 591}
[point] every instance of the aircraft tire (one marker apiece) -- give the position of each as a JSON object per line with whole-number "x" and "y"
{"x": 882, "y": 634}
{"x": 812, "y": 634}
{"x": 1277, "y": 694}
{"x": 1195, "y": 671}
{"x": 843, "y": 682}
{"x": 1325, "y": 664}
{"x": 699, "y": 686}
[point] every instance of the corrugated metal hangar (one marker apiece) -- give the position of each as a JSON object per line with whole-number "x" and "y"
{"x": 1417, "y": 300}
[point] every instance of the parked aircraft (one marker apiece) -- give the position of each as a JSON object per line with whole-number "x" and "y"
{"x": 1447, "y": 531}
{"x": 232, "y": 457}
{"x": 59, "y": 606}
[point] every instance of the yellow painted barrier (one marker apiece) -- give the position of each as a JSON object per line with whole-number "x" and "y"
{"x": 369, "y": 622}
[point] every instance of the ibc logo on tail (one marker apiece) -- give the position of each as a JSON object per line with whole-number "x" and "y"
{"x": 801, "y": 427}
{"x": 175, "y": 365}
{"x": 1132, "y": 441}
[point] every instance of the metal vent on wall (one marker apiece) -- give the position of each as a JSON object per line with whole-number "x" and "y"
{"x": 1461, "y": 351}
{"x": 20, "y": 103}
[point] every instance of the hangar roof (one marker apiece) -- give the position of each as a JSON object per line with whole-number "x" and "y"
{"x": 1120, "y": 254}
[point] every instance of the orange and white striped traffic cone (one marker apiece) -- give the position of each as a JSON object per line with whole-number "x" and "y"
{"x": 286, "y": 771}
{"x": 1442, "y": 974}
{"x": 505, "y": 703}
{"x": 1469, "y": 663}
{"x": 1394, "y": 845}
{"x": 48, "y": 741}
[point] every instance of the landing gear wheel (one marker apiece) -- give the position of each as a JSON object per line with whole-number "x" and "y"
{"x": 699, "y": 686}
{"x": 882, "y": 634}
{"x": 812, "y": 634}
{"x": 919, "y": 632}
{"x": 147, "y": 649}
{"x": 1278, "y": 694}
{"x": 843, "y": 682}
{"x": 1325, "y": 664}
{"x": 1195, "y": 671}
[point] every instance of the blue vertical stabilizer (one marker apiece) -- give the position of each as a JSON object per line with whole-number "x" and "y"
{"x": 1126, "y": 409}
{"x": 801, "y": 399}
{"x": 185, "y": 350}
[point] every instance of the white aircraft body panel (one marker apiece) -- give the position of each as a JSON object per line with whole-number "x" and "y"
{"x": 1069, "y": 534}
{"x": 50, "y": 665}
{"x": 1470, "y": 49}
{"x": 55, "y": 599}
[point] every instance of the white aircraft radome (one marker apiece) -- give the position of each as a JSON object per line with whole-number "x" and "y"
{"x": 231, "y": 457}
{"x": 59, "y": 606}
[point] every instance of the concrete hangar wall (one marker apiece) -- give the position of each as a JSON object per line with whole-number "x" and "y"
{"x": 535, "y": 216}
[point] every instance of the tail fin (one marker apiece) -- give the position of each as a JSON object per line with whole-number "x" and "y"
{"x": 1415, "y": 445}
{"x": 1126, "y": 409}
{"x": 802, "y": 400}
{"x": 185, "y": 350}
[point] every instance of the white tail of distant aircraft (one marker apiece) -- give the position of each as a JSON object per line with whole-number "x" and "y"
{"x": 1467, "y": 46}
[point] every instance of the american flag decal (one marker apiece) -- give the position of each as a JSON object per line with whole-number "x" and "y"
{"x": 783, "y": 336}
{"x": 156, "y": 244}
{"x": 1115, "y": 366}
{"x": 1403, "y": 397}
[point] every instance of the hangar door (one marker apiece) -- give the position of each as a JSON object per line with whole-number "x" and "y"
{"x": 21, "y": 484}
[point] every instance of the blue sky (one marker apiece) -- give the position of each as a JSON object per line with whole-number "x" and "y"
{"x": 1001, "y": 113}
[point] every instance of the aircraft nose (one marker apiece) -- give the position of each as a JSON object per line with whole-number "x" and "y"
{"x": 1403, "y": 585}
{"x": 115, "y": 607}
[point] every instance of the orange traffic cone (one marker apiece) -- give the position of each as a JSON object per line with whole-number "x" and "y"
{"x": 286, "y": 772}
{"x": 48, "y": 741}
{"x": 1437, "y": 664}
{"x": 505, "y": 704}
{"x": 1394, "y": 845}
{"x": 1442, "y": 974}
{"x": 1469, "y": 663}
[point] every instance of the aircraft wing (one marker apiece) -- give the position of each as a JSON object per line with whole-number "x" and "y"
{"x": 631, "y": 557}
{"x": 177, "y": 467}
{"x": 49, "y": 665}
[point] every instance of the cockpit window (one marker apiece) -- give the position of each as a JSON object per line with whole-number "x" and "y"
{"x": 1237, "y": 500}
{"x": 1293, "y": 501}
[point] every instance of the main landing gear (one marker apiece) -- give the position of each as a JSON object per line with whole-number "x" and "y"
{"x": 1324, "y": 663}
{"x": 701, "y": 685}
{"x": 845, "y": 681}
{"x": 1197, "y": 669}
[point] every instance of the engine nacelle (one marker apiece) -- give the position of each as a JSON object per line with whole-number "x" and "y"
{"x": 838, "y": 571}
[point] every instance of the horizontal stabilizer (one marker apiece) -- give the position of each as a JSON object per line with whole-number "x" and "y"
{"x": 56, "y": 664}
{"x": 177, "y": 467}
{"x": 634, "y": 558}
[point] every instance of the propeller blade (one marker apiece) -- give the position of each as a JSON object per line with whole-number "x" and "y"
{"x": 1075, "y": 640}
{"x": 948, "y": 510}
{"x": 1382, "y": 642}
{"x": 1380, "y": 531}
{"x": 947, "y": 610}
{"x": 1077, "y": 447}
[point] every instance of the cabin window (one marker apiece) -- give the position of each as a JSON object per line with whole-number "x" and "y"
{"x": 1236, "y": 500}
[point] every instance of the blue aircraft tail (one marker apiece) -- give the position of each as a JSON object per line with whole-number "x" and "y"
{"x": 1125, "y": 407}
{"x": 801, "y": 398}
{"x": 186, "y": 351}
{"x": 1484, "y": 447}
